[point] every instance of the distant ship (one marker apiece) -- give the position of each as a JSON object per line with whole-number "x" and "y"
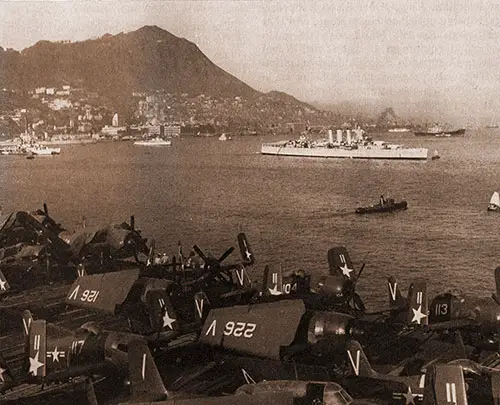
{"x": 383, "y": 206}
{"x": 154, "y": 142}
{"x": 438, "y": 131}
{"x": 399, "y": 130}
{"x": 42, "y": 150}
{"x": 355, "y": 146}
{"x": 224, "y": 137}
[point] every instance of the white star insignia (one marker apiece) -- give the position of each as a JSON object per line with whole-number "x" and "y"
{"x": 2, "y": 378}
{"x": 35, "y": 364}
{"x": 167, "y": 321}
{"x": 346, "y": 271}
{"x": 2, "y": 285}
{"x": 409, "y": 397}
{"x": 418, "y": 315}
{"x": 55, "y": 354}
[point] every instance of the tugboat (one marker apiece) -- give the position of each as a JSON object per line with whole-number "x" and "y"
{"x": 494, "y": 204}
{"x": 383, "y": 205}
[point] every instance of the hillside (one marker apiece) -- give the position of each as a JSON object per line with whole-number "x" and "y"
{"x": 116, "y": 65}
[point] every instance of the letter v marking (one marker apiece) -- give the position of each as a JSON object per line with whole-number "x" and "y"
{"x": 355, "y": 365}
{"x": 393, "y": 290}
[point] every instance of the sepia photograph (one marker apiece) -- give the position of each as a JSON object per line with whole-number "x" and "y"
{"x": 249, "y": 202}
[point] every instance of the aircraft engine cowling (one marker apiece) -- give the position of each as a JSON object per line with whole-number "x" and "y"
{"x": 116, "y": 349}
{"x": 332, "y": 287}
{"x": 446, "y": 307}
{"x": 334, "y": 394}
{"x": 488, "y": 317}
{"x": 331, "y": 327}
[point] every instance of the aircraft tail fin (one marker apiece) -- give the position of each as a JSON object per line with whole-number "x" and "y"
{"x": 6, "y": 376}
{"x": 202, "y": 306}
{"x": 4, "y": 284}
{"x": 273, "y": 281}
{"x": 418, "y": 310}
{"x": 37, "y": 348}
{"x": 444, "y": 384}
{"x": 339, "y": 263}
{"x": 496, "y": 294}
{"x": 145, "y": 378}
{"x": 396, "y": 300}
{"x": 151, "y": 253}
{"x": 359, "y": 364}
{"x": 161, "y": 311}
{"x": 245, "y": 249}
{"x": 495, "y": 388}
{"x": 27, "y": 321}
{"x": 242, "y": 277}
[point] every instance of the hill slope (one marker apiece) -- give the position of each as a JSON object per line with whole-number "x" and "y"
{"x": 116, "y": 65}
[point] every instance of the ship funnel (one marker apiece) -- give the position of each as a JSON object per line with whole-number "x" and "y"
{"x": 348, "y": 137}
{"x": 330, "y": 136}
{"x": 339, "y": 136}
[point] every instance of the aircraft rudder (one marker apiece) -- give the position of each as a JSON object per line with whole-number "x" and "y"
{"x": 273, "y": 281}
{"x": 445, "y": 384}
{"x": 144, "y": 375}
{"x": 161, "y": 311}
{"x": 6, "y": 376}
{"x": 339, "y": 262}
{"x": 418, "y": 303}
{"x": 202, "y": 306}
{"x": 496, "y": 295}
{"x": 4, "y": 284}
{"x": 395, "y": 297}
{"x": 358, "y": 361}
{"x": 37, "y": 349}
{"x": 27, "y": 321}
{"x": 246, "y": 251}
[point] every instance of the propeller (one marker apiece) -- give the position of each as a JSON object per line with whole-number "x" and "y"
{"x": 213, "y": 266}
{"x": 151, "y": 254}
{"x": 226, "y": 254}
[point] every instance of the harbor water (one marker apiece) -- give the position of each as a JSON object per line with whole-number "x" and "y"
{"x": 203, "y": 191}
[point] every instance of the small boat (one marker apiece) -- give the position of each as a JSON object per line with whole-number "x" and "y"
{"x": 154, "y": 142}
{"x": 438, "y": 131}
{"x": 494, "y": 204}
{"x": 224, "y": 137}
{"x": 435, "y": 155}
{"x": 388, "y": 205}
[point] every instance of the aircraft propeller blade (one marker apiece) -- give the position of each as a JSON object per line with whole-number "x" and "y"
{"x": 90, "y": 393}
{"x": 132, "y": 222}
{"x": 226, "y": 254}
{"x": 359, "y": 273}
{"x": 200, "y": 253}
{"x": 151, "y": 253}
{"x": 495, "y": 388}
{"x": 45, "y": 209}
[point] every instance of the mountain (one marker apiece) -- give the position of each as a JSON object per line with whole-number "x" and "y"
{"x": 116, "y": 65}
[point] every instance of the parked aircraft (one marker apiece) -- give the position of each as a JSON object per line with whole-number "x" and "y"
{"x": 56, "y": 354}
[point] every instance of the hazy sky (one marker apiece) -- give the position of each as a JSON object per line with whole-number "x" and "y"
{"x": 437, "y": 57}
